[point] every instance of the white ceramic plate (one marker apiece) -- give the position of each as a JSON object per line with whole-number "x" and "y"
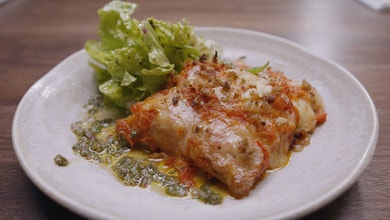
{"x": 339, "y": 151}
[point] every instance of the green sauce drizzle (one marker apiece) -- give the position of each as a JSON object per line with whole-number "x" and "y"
{"x": 98, "y": 141}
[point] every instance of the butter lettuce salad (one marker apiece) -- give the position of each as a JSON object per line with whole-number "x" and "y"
{"x": 133, "y": 58}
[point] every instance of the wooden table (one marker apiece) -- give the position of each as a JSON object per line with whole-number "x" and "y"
{"x": 36, "y": 35}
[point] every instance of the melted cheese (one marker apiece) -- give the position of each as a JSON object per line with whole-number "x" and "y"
{"x": 231, "y": 123}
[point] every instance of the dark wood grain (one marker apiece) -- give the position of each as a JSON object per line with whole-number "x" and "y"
{"x": 36, "y": 35}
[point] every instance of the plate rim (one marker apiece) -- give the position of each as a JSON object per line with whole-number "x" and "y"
{"x": 47, "y": 189}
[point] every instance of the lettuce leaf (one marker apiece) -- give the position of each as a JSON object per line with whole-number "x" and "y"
{"x": 134, "y": 58}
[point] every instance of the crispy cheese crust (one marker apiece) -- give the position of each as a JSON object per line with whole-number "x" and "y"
{"x": 227, "y": 121}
